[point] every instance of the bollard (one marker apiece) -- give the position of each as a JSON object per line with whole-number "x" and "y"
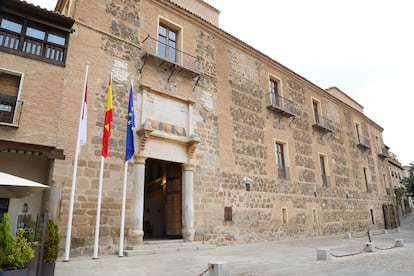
{"x": 323, "y": 254}
{"x": 369, "y": 247}
{"x": 399, "y": 243}
{"x": 369, "y": 236}
{"x": 218, "y": 269}
{"x": 348, "y": 236}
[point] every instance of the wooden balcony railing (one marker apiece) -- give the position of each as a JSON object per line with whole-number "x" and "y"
{"x": 24, "y": 45}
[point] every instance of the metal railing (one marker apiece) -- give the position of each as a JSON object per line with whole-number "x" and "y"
{"x": 10, "y": 109}
{"x": 280, "y": 104}
{"x": 383, "y": 152}
{"x": 363, "y": 142}
{"x": 324, "y": 123}
{"x": 173, "y": 55}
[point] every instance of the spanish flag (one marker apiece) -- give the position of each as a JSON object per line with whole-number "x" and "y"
{"x": 108, "y": 120}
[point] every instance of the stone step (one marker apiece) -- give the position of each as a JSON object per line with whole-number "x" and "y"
{"x": 165, "y": 247}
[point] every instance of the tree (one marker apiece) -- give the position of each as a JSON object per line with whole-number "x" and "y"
{"x": 409, "y": 181}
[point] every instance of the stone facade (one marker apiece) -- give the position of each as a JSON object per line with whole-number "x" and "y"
{"x": 224, "y": 133}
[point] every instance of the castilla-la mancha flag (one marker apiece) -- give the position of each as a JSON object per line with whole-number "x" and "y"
{"x": 108, "y": 120}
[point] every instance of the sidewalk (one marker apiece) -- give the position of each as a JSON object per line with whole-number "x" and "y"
{"x": 293, "y": 257}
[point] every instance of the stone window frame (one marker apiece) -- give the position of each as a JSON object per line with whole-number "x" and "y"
{"x": 17, "y": 105}
{"x": 179, "y": 32}
{"x": 327, "y": 168}
{"x": 319, "y": 109}
{"x": 285, "y": 157}
{"x": 358, "y": 131}
{"x": 372, "y": 215}
{"x": 285, "y": 217}
{"x": 367, "y": 178}
{"x": 278, "y": 81}
{"x": 386, "y": 184}
{"x": 314, "y": 215}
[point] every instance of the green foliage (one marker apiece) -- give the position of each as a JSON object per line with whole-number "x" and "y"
{"x": 5, "y": 240}
{"x": 51, "y": 247}
{"x": 15, "y": 252}
{"x": 409, "y": 181}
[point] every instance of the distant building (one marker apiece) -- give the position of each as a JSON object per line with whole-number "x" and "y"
{"x": 231, "y": 146}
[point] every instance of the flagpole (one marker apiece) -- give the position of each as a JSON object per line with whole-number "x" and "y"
{"x": 98, "y": 210}
{"x": 121, "y": 235}
{"x": 129, "y": 152}
{"x": 75, "y": 171}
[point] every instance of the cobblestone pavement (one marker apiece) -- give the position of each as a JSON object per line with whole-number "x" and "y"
{"x": 294, "y": 257}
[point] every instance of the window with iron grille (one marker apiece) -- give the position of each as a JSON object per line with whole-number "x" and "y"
{"x": 9, "y": 96}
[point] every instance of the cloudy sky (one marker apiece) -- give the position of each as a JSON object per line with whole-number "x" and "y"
{"x": 365, "y": 48}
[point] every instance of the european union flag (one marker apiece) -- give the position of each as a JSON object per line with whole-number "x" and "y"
{"x": 130, "y": 149}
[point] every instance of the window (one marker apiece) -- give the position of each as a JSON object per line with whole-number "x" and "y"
{"x": 4, "y": 206}
{"x": 9, "y": 94}
{"x": 284, "y": 216}
{"x": 32, "y": 39}
{"x": 323, "y": 166}
{"x": 167, "y": 43}
{"x": 281, "y": 162}
{"x": 274, "y": 91}
{"x": 387, "y": 187}
{"x": 358, "y": 131}
{"x": 314, "y": 215}
{"x": 316, "y": 111}
{"x": 371, "y": 212}
{"x": 366, "y": 179}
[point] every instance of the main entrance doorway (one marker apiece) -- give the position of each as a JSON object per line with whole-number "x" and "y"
{"x": 162, "y": 200}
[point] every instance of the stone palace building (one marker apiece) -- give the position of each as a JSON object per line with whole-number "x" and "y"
{"x": 230, "y": 145}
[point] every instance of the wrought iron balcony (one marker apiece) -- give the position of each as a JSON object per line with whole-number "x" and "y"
{"x": 323, "y": 124}
{"x": 280, "y": 105}
{"x": 171, "y": 58}
{"x": 10, "y": 109}
{"x": 283, "y": 173}
{"x": 364, "y": 143}
{"x": 383, "y": 152}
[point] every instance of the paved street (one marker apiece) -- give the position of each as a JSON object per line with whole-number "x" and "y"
{"x": 294, "y": 257}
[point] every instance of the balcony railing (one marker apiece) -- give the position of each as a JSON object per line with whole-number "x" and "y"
{"x": 163, "y": 54}
{"x": 364, "y": 143}
{"x": 383, "y": 152}
{"x": 280, "y": 105}
{"x": 323, "y": 124}
{"x": 11, "y": 41}
{"x": 10, "y": 110}
{"x": 283, "y": 173}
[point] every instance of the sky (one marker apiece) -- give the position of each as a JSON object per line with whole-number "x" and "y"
{"x": 363, "y": 47}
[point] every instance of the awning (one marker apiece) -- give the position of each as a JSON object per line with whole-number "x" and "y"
{"x": 16, "y": 187}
